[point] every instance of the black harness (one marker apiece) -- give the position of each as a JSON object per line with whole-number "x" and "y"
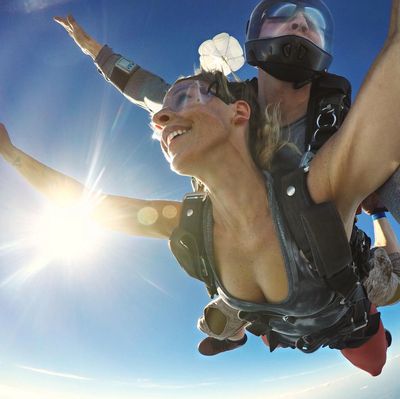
{"x": 330, "y": 101}
{"x": 187, "y": 241}
{"x": 341, "y": 266}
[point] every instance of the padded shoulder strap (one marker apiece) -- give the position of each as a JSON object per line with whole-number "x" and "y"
{"x": 319, "y": 232}
{"x": 187, "y": 241}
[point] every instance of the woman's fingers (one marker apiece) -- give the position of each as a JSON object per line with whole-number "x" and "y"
{"x": 394, "y": 18}
{"x": 86, "y": 43}
{"x": 62, "y": 21}
{"x": 4, "y": 138}
{"x": 70, "y": 25}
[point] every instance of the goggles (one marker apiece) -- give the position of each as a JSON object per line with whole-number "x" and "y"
{"x": 185, "y": 94}
{"x": 188, "y": 93}
{"x": 284, "y": 10}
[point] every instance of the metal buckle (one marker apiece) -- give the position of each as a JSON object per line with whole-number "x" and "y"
{"x": 361, "y": 324}
{"x": 328, "y": 110}
{"x": 306, "y": 158}
{"x": 204, "y": 270}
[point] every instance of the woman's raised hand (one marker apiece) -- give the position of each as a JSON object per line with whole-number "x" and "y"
{"x": 86, "y": 43}
{"x": 5, "y": 142}
{"x": 394, "y": 20}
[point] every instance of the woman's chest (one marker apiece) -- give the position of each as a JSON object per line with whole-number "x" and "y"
{"x": 250, "y": 264}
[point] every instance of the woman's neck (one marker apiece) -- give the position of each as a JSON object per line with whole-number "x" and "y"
{"x": 237, "y": 190}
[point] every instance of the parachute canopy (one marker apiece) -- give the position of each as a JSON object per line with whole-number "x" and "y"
{"x": 222, "y": 53}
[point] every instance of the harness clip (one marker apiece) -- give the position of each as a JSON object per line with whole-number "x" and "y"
{"x": 360, "y": 324}
{"x": 329, "y": 110}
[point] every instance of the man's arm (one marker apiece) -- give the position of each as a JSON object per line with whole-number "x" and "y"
{"x": 139, "y": 86}
{"x": 132, "y": 216}
{"x": 366, "y": 150}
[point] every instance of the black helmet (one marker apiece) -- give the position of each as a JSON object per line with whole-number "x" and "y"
{"x": 286, "y": 55}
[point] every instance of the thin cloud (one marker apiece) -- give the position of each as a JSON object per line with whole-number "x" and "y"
{"x": 316, "y": 387}
{"x": 289, "y": 376}
{"x": 149, "y": 384}
{"x": 55, "y": 373}
{"x": 29, "y": 6}
{"x": 156, "y": 286}
{"x": 301, "y": 374}
{"x": 322, "y": 385}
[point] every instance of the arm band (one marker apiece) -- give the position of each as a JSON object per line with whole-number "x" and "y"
{"x": 121, "y": 72}
{"x": 378, "y": 215}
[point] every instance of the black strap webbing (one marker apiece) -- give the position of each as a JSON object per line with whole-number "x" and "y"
{"x": 187, "y": 240}
{"x": 330, "y": 101}
{"x": 319, "y": 232}
{"x": 121, "y": 73}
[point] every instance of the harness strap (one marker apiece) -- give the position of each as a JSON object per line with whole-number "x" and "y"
{"x": 351, "y": 331}
{"x": 187, "y": 241}
{"x": 327, "y": 249}
{"x": 360, "y": 245}
{"x": 330, "y": 101}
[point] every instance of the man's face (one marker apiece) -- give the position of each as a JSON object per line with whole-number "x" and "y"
{"x": 300, "y": 25}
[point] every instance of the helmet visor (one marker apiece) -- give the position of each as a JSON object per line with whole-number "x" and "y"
{"x": 310, "y": 19}
{"x": 283, "y": 11}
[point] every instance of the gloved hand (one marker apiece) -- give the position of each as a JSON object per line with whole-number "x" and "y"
{"x": 382, "y": 282}
{"x": 220, "y": 320}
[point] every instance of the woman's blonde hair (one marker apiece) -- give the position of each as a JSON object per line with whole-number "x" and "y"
{"x": 264, "y": 136}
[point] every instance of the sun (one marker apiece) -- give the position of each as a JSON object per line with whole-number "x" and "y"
{"x": 62, "y": 235}
{"x": 66, "y": 232}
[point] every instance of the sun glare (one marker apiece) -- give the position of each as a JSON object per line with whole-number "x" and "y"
{"x": 66, "y": 233}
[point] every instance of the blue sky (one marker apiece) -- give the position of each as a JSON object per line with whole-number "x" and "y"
{"x": 121, "y": 322}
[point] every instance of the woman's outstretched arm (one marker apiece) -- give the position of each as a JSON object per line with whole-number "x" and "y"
{"x": 366, "y": 150}
{"x": 139, "y": 86}
{"x": 132, "y": 216}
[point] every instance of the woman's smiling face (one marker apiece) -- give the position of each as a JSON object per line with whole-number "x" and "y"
{"x": 191, "y": 125}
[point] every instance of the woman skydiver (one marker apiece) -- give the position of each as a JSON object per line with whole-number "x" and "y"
{"x": 213, "y": 134}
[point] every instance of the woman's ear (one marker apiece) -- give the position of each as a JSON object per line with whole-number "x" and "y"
{"x": 242, "y": 112}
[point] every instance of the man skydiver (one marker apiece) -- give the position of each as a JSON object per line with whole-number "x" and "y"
{"x": 308, "y": 25}
{"x": 281, "y": 76}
